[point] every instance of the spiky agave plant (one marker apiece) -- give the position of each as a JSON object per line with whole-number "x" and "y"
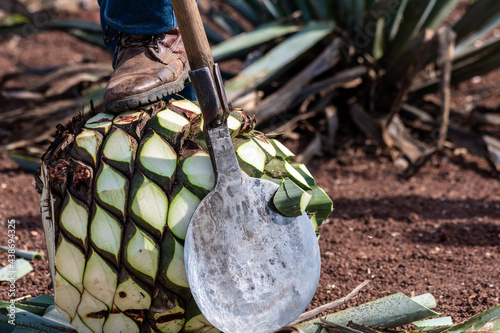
{"x": 117, "y": 194}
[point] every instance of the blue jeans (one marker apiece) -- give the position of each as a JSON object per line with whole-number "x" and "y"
{"x": 141, "y": 17}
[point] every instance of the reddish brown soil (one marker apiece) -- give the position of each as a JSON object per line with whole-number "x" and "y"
{"x": 438, "y": 232}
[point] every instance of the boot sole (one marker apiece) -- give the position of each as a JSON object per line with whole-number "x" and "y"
{"x": 147, "y": 97}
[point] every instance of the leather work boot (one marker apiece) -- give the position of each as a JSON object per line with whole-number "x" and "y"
{"x": 147, "y": 68}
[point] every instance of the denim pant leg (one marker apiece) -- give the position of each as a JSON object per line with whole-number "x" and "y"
{"x": 141, "y": 17}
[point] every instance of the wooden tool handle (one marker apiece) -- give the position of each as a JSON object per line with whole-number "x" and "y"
{"x": 193, "y": 34}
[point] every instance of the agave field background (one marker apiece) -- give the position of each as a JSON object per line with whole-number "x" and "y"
{"x": 398, "y": 126}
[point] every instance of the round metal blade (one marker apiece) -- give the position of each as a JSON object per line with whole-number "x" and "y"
{"x": 250, "y": 269}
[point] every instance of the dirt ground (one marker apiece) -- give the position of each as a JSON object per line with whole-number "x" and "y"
{"x": 438, "y": 232}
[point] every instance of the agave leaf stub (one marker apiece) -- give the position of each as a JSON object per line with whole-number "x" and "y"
{"x": 87, "y": 145}
{"x": 131, "y": 294}
{"x": 157, "y": 159}
{"x": 118, "y": 322}
{"x": 92, "y": 312}
{"x": 100, "y": 279}
{"x": 290, "y": 200}
{"x": 141, "y": 254}
{"x": 197, "y": 173}
{"x": 172, "y": 268}
{"x": 74, "y": 219}
{"x": 119, "y": 151}
{"x": 167, "y": 312}
{"x": 106, "y": 234}
{"x": 111, "y": 189}
{"x": 101, "y": 122}
{"x": 78, "y": 324}
{"x": 251, "y": 158}
{"x": 70, "y": 263}
{"x": 68, "y": 303}
{"x": 181, "y": 210}
{"x": 172, "y": 126}
{"x": 149, "y": 205}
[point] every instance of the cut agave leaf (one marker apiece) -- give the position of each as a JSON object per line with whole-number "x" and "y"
{"x": 186, "y": 107}
{"x": 118, "y": 322}
{"x": 172, "y": 269}
{"x": 246, "y": 41}
{"x": 132, "y": 122}
{"x": 434, "y": 325}
{"x": 172, "y": 126}
{"x": 111, "y": 189}
{"x": 119, "y": 151}
{"x": 20, "y": 268}
{"x": 196, "y": 321}
{"x": 321, "y": 204}
{"x": 181, "y": 210}
{"x": 74, "y": 220}
{"x": 101, "y": 122}
{"x": 281, "y": 168}
{"x": 131, "y": 294}
{"x": 234, "y": 125}
{"x": 197, "y": 173}
{"x": 302, "y": 169}
{"x": 149, "y": 205}
{"x": 167, "y": 312}
{"x": 251, "y": 158}
{"x": 157, "y": 160}
{"x": 70, "y": 263}
{"x": 266, "y": 146}
{"x": 68, "y": 304}
{"x": 100, "y": 279}
{"x": 106, "y": 234}
{"x": 141, "y": 254}
{"x": 290, "y": 200}
{"x": 87, "y": 145}
{"x": 486, "y": 321}
{"x": 92, "y": 313}
{"x": 281, "y": 150}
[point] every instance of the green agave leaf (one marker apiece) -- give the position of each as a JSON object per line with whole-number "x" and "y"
{"x": 213, "y": 36}
{"x": 29, "y": 322}
{"x": 272, "y": 9}
{"x": 303, "y": 5}
{"x": 246, "y": 11}
{"x": 226, "y": 23}
{"x": 487, "y": 321}
{"x": 439, "y": 13}
{"x": 478, "y": 13}
{"x": 390, "y": 311}
{"x": 415, "y": 15}
{"x": 19, "y": 269}
{"x": 492, "y": 45}
{"x": 290, "y": 200}
{"x": 278, "y": 58}
{"x": 243, "y": 42}
{"x": 485, "y": 30}
{"x": 395, "y": 19}
{"x": 42, "y": 301}
{"x": 30, "y": 255}
{"x": 26, "y": 163}
{"x": 476, "y": 68}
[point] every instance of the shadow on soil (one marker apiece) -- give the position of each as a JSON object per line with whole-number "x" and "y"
{"x": 455, "y": 234}
{"x": 409, "y": 208}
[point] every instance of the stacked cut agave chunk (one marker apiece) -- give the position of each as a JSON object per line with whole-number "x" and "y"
{"x": 120, "y": 191}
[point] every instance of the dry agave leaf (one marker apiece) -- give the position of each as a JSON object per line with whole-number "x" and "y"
{"x": 485, "y": 322}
